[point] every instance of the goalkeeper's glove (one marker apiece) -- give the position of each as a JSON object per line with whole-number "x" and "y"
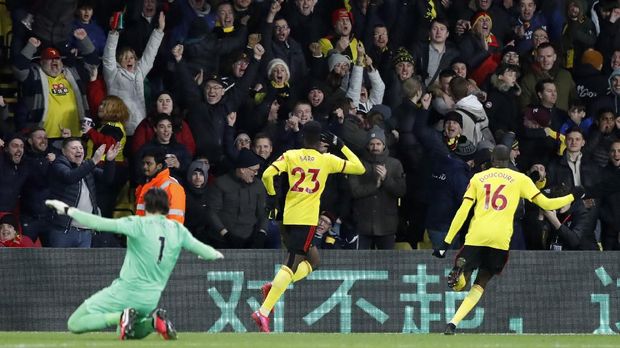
{"x": 332, "y": 140}
{"x": 578, "y": 192}
{"x": 441, "y": 252}
{"x": 218, "y": 255}
{"x": 60, "y": 207}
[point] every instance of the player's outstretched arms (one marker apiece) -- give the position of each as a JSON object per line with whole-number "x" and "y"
{"x": 353, "y": 163}
{"x": 204, "y": 251}
{"x": 552, "y": 203}
{"x": 90, "y": 220}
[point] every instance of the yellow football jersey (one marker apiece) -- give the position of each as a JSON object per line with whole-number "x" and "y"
{"x": 307, "y": 171}
{"x": 496, "y": 193}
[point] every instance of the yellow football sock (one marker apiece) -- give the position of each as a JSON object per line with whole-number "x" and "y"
{"x": 460, "y": 283}
{"x": 303, "y": 269}
{"x": 468, "y": 304}
{"x": 279, "y": 284}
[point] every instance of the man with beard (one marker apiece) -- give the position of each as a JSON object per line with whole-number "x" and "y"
{"x": 376, "y": 194}
{"x": 39, "y": 158}
{"x": 13, "y": 174}
{"x": 155, "y": 167}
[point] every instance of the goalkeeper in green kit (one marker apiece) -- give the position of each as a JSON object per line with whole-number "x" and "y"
{"x": 153, "y": 247}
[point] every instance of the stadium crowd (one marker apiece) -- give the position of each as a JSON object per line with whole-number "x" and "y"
{"x": 108, "y": 98}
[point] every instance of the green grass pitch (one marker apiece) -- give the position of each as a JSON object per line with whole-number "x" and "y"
{"x": 301, "y": 340}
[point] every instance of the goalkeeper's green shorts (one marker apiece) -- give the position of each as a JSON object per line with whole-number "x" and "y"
{"x": 115, "y": 298}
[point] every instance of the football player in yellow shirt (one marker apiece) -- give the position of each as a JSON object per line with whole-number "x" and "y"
{"x": 494, "y": 194}
{"x": 307, "y": 169}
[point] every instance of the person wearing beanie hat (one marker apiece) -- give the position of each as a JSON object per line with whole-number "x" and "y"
{"x": 593, "y": 58}
{"x": 404, "y": 64}
{"x": 480, "y": 48}
{"x": 342, "y": 38}
{"x": 384, "y": 110}
{"x": 494, "y": 194}
{"x": 247, "y": 159}
{"x": 376, "y": 132}
{"x": 197, "y": 200}
{"x": 376, "y": 194}
{"x": 278, "y": 71}
{"x": 465, "y": 149}
{"x": 237, "y": 217}
{"x": 334, "y": 59}
{"x": 308, "y": 169}
{"x": 454, "y": 116}
{"x": 510, "y": 55}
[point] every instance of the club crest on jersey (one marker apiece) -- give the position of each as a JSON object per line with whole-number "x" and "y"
{"x": 59, "y": 89}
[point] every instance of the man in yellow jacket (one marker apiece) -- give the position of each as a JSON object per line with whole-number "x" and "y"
{"x": 158, "y": 175}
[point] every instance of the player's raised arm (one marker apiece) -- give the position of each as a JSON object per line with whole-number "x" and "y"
{"x": 275, "y": 168}
{"x": 352, "y": 165}
{"x": 552, "y": 203}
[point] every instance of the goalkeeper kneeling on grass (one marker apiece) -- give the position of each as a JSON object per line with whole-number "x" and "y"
{"x": 153, "y": 247}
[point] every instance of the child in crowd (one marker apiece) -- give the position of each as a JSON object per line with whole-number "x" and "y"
{"x": 577, "y": 118}
{"x": 10, "y": 236}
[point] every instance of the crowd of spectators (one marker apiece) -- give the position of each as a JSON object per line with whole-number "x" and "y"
{"x": 198, "y": 97}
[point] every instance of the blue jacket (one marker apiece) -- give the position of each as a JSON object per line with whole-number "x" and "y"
{"x": 96, "y": 34}
{"x": 65, "y": 183}
{"x": 449, "y": 176}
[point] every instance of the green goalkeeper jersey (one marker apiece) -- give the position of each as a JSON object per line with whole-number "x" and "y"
{"x": 153, "y": 246}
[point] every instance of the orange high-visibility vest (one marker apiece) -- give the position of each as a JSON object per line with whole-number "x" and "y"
{"x": 176, "y": 195}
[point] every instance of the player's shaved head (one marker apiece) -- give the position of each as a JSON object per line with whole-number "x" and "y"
{"x": 312, "y": 134}
{"x": 500, "y": 156}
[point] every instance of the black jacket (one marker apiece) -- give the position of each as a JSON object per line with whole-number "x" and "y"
{"x": 12, "y": 179}
{"x": 559, "y": 173}
{"x": 207, "y": 121}
{"x": 420, "y": 52}
{"x": 37, "y": 189}
{"x": 236, "y": 206}
{"x": 610, "y": 202}
{"x": 577, "y": 229}
{"x": 375, "y": 209}
{"x": 502, "y": 107}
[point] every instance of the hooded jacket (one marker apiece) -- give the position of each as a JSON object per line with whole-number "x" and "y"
{"x": 475, "y": 122}
{"x": 196, "y": 202}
